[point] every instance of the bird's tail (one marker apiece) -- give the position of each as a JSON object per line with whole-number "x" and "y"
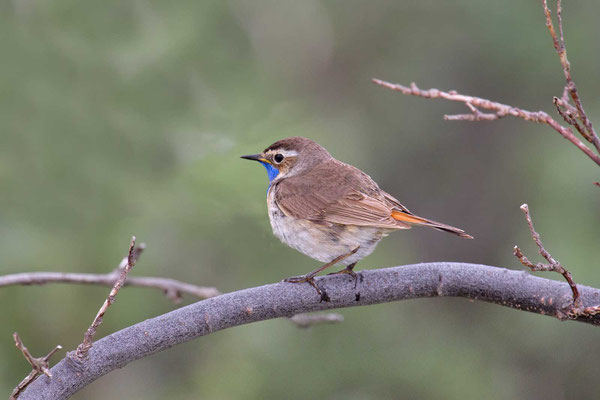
{"x": 419, "y": 221}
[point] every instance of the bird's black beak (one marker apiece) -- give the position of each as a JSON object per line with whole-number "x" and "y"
{"x": 255, "y": 157}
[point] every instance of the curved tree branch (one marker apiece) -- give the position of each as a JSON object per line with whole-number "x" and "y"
{"x": 515, "y": 289}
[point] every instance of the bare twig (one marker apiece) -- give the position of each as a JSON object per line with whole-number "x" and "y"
{"x": 172, "y": 288}
{"x": 587, "y": 130}
{"x": 575, "y": 309}
{"x": 569, "y": 115}
{"x": 39, "y": 365}
{"x": 135, "y": 254}
{"x": 309, "y": 320}
{"x": 83, "y": 348}
{"x": 552, "y": 265}
{"x": 508, "y": 288}
{"x": 499, "y": 110}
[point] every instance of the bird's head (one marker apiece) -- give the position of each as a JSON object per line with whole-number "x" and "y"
{"x": 289, "y": 157}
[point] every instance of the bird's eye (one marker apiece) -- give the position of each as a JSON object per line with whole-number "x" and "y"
{"x": 278, "y": 158}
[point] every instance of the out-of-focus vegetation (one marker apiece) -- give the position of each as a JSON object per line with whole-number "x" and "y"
{"x": 121, "y": 118}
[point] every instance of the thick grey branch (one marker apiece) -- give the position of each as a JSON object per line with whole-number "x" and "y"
{"x": 516, "y": 289}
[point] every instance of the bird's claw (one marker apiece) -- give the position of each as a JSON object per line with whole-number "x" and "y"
{"x": 348, "y": 271}
{"x": 311, "y": 280}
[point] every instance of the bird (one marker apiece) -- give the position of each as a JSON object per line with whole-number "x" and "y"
{"x": 329, "y": 210}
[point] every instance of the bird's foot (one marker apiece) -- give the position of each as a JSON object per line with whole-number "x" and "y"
{"x": 310, "y": 277}
{"x": 348, "y": 270}
{"x": 311, "y": 280}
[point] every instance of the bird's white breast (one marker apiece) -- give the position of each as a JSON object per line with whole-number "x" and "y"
{"x": 322, "y": 242}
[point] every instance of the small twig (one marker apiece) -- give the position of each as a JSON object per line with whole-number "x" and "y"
{"x": 559, "y": 45}
{"x": 88, "y": 338}
{"x": 475, "y": 115}
{"x": 570, "y": 116}
{"x": 136, "y": 253}
{"x": 39, "y": 365}
{"x": 553, "y": 264}
{"x": 565, "y": 95}
{"x": 500, "y": 110}
{"x": 308, "y": 320}
{"x": 575, "y": 310}
{"x": 172, "y": 288}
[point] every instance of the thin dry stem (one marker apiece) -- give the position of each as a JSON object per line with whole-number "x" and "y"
{"x": 575, "y": 309}
{"x": 569, "y": 115}
{"x": 172, "y": 288}
{"x": 39, "y": 366}
{"x": 587, "y": 130}
{"x": 499, "y": 111}
{"x": 88, "y": 338}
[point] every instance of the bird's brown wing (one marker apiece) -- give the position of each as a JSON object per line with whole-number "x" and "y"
{"x": 337, "y": 193}
{"x": 334, "y": 192}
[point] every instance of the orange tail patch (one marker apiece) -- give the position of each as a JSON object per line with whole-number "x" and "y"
{"x": 413, "y": 219}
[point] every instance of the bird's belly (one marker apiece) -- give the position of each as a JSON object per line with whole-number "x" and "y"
{"x": 324, "y": 242}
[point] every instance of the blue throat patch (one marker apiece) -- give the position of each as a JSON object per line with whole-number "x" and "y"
{"x": 271, "y": 172}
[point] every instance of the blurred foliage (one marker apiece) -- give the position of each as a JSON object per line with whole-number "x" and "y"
{"x": 123, "y": 118}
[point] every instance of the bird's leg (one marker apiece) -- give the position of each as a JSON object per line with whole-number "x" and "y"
{"x": 348, "y": 270}
{"x": 310, "y": 277}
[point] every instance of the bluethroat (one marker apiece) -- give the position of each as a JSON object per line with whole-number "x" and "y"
{"x": 329, "y": 210}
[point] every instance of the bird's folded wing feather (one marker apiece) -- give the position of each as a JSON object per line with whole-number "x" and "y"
{"x": 339, "y": 194}
{"x": 395, "y": 204}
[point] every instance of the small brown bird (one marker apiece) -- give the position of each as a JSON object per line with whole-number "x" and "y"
{"x": 329, "y": 210}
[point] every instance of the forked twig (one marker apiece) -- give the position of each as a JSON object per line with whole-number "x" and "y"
{"x": 587, "y": 130}
{"x": 576, "y": 309}
{"x": 88, "y": 338}
{"x": 39, "y": 366}
{"x": 499, "y": 111}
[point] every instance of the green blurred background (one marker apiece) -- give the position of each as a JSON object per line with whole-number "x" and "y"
{"x": 128, "y": 117}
